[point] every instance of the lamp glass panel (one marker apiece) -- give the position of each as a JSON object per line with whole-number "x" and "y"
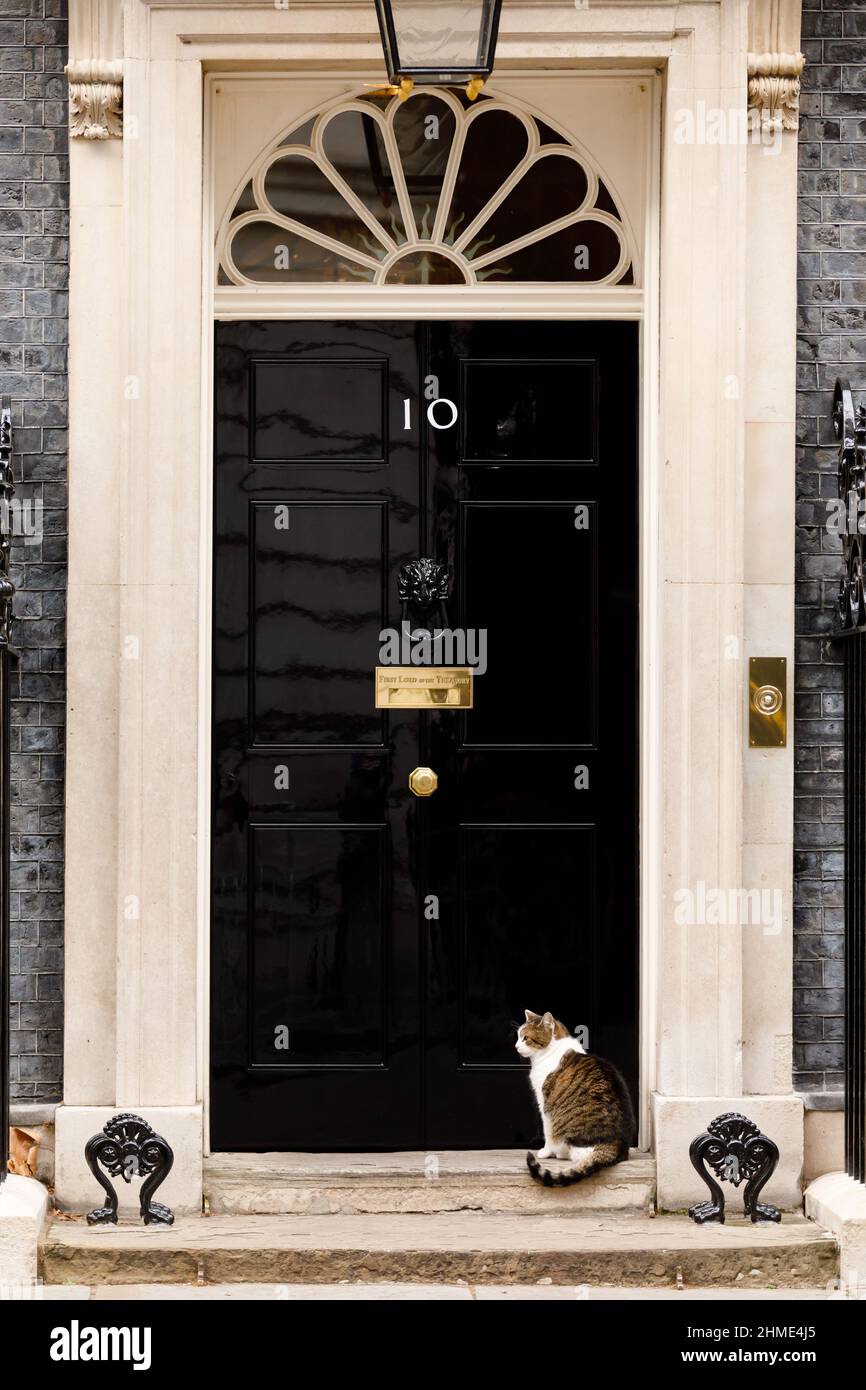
{"x": 444, "y": 34}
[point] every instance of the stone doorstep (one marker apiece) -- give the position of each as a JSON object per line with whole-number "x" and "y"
{"x": 23, "y": 1211}
{"x": 838, "y": 1202}
{"x": 491, "y": 1180}
{"x": 476, "y": 1247}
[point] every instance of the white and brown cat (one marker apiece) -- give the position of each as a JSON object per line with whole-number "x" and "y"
{"x": 585, "y": 1106}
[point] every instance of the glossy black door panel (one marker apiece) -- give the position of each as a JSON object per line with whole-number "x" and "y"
{"x": 521, "y": 931}
{"x": 293, "y": 411}
{"x": 541, "y": 554}
{"x": 372, "y": 952}
{"x": 315, "y": 953}
{"x": 319, "y": 595}
{"x": 317, "y": 965}
{"x": 354, "y": 779}
{"x": 533, "y": 836}
{"x": 529, "y": 410}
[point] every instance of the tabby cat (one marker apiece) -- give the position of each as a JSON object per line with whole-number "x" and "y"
{"x": 584, "y": 1103}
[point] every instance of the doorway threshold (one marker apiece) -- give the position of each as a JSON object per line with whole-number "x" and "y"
{"x": 492, "y": 1180}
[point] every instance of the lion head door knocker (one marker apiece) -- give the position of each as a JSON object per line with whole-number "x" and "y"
{"x": 736, "y": 1150}
{"x": 129, "y": 1148}
{"x": 423, "y": 589}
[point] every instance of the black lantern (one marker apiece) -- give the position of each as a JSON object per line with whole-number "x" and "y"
{"x": 442, "y": 43}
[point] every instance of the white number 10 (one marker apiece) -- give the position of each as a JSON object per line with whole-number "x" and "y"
{"x": 440, "y": 400}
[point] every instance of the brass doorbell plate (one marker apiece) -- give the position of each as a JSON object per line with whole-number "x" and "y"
{"x": 768, "y": 701}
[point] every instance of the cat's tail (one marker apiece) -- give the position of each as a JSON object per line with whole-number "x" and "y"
{"x": 592, "y": 1159}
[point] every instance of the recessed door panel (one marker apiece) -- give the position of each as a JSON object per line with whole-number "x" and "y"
{"x": 319, "y": 586}
{"x": 317, "y": 962}
{"x": 529, "y": 411}
{"x": 295, "y": 419}
{"x": 521, "y": 932}
{"x": 529, "y": 580}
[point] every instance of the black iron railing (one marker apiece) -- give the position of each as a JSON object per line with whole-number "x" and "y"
{"x": 850, "y": 428}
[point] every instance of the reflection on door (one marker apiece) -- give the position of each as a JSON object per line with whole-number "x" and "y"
{"x": 372, "y": 949}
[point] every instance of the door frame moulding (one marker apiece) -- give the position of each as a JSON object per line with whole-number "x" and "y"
{"x": 431, "y": 302}
{"x": 490, "y": 301}
{"x": 141, "y": 312}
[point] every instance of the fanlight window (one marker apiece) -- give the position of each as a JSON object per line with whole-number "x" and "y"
{"x": 429, "y": 191}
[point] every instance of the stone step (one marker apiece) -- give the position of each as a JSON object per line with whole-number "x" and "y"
{"x": 491, "y": 1180}
{"x": 445, "y": 1248}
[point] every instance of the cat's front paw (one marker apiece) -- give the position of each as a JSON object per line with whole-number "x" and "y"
{"x": 547, "y": 1152}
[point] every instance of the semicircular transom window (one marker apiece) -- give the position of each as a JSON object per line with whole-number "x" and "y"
{"x": 430, "y": 191}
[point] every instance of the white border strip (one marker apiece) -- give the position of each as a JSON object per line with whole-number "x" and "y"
{"x": 491, "y": 301}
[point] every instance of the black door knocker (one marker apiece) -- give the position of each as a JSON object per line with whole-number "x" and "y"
{"x": 423, "y": 587}
{"x": 737, "y": 1151}
{"x": 129, "y": 1148}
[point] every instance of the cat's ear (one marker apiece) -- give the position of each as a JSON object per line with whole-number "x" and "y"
{"x": 531, "y": 1017}
{"x": 549, "y": 1021}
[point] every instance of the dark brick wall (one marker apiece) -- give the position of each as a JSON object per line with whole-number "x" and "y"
{"x": 34, "y": 230}
{"x": 832, "y": 312}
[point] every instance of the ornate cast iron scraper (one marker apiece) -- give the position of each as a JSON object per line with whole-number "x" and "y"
{"x": 129, "y": 1148}
{"x": 736, "y": 1151}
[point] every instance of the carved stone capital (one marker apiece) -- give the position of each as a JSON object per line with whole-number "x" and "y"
{"x": 774, "y": 90}
{"x": 95, "y": 99}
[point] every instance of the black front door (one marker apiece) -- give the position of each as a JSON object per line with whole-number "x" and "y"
{"x": 372, "y": 951}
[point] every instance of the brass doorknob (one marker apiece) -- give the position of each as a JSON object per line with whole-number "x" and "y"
{"x": 423, "y": 781}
